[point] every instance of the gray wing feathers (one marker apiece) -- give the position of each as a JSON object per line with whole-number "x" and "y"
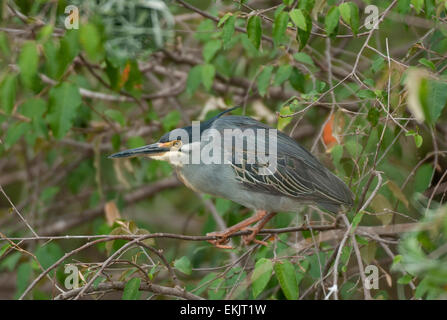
{"x": 298, "y": 174}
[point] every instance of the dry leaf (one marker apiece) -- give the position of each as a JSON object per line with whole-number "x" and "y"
{"x": 212, "y": 103}
{"x": 388, "y": 278}
{"x": 368, "y": 252}
{"x": 262, "y": 112}
{"x": 112, "y": 212}
{"x": 328, "y": 138}
{"x": 398, "y": 192}
{"x": 412, "y": 84}
{"x": 119, "y": 172}
{"x": 382, "y": 208}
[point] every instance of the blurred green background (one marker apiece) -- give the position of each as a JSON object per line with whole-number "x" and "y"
{"x": 368, "y": 103}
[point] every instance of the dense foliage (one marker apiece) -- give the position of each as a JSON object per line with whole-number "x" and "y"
{"x": 361, "y": 84}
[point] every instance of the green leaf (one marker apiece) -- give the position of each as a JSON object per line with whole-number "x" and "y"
{"x": 406, "y": 279}
{"x": 397, "y": 259}
{"x": 403, "y": 6}
{"x": 282, "y": 74}
{"x": 63, "y": 103}
{"x": 48, "y": 254}
{"x": 183, "y": 265}
{"x": 297, "y": 80}
{"x": 224, "y": 19}
{"x": 304, "y": 58}
{"x": 306, "y": 5}
{"x": 418, "y": 5}
{"x": 350, "y": 14}
{"x": 4, "y": 44}
{"x": 206, "y": 279}
{"x": 283, "y": 122}
{"x": 298, "y": 18}
{"x": 113, "y": 73}
{"x": 280, "y": 27}
{"x": 431, "y": 8}
{"x": 216, "y": 291}
{"x": 373, "y": 116}
{"x": 337, "y": 153}
{"x": 248, "y": 46}
{"x": 435, "y": 99}
{"x": 331, "y": 21}
{"x": 45, "y": 33}
{"x": 90, "y": 40}
{"x": 208, "y": 72}
{"x": 132, "y": 289}
{"x": 205, "y": 31}
{"x": 261, "y": 275}
{"x": 366, "y": 94}
{"x": 3, "y": 249}
{"x": 10, "y": 261}
{"x": 194, "y": 79}
{"x": 422, "y": 178}
{"x": 228, "y": 31}
{"x": 427, "y": 63}
{"x": 264, "y": 80}
{"x": 210, "y": 49}
{"x": 48, "y": 194}
{"x": 24, "y": 272}
{"x": 223, "y": 205}
{"x": 254, "y": 30}
{"x": 355, "y": 19}
{"x": 353, "y": 146}
{"x": 278, "y": 10}
{"x": 303, "y": 35}
{"x": 68, "y": 50}
{"x": 418, "y": 140}
{"x": 345, "y": 12}
{"x": 356, "y": 220}
{"x": 98, "y": 281}
{"x": 8, "y": 93}
{"x": 171, "y": 120}
{"x": 378, "y": 64}
{"x": 33, "y": 108}
{"x": 135, "y": 142}
{"x": 285, "y": 273}
{"x": 28, "y": 63}
{"x": 116, "y": 115}
{"x": 15, "y": 132}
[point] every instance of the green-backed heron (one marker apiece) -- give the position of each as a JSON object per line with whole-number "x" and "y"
{"x": 268, "y": 172}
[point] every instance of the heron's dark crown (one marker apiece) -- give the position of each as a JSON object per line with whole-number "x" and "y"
{"x": 203, "y": 126}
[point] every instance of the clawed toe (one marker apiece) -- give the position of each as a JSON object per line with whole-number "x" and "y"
{"x": 252, "y": 237}
{"x": 223, "y": 237}
{"x": 222, "y": 240}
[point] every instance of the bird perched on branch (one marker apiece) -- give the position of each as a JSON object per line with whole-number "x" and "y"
{"x": 246, "y": 161}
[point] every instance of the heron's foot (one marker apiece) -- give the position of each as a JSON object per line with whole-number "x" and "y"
{"x": 249, "y": 238}
{"x": 261, "y": 216}
{"x": 222, "y": 240}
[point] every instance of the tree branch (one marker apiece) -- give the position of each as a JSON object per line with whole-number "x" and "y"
{"x": 120, "y": 285}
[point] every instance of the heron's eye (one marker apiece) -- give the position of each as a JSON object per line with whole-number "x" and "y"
{"x": 177, "y": 144}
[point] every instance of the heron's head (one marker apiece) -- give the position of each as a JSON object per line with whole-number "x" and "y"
{"x": 172, "y": 147}
{"x": 175, "y": 146}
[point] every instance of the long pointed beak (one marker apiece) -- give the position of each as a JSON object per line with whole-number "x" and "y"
{"x": 151, "y": 149}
